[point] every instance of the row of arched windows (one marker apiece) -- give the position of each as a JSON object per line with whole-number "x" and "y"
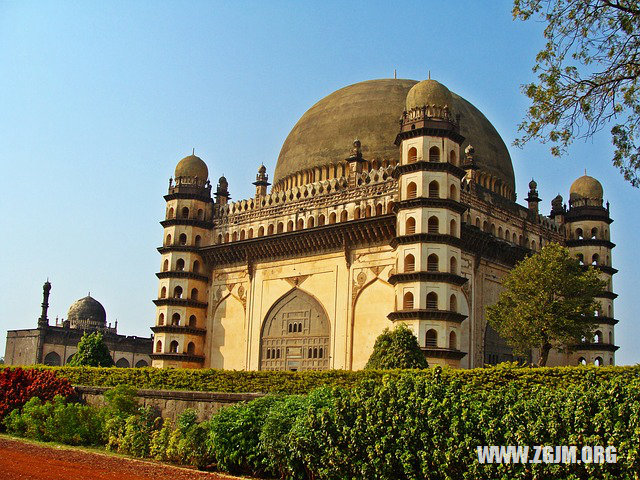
{"x": 182, "y": 240}
{"x": 300, "y": 224}
{"x": 177, "y": 293}
{"x": 434, "y": 155}
{"x": 174, "y": 347}
{"x": 433, "y": 190}
{"x": 432, "y": 263}
{"x": 184, "y": 213}
{"x": 180, "y": 264}
{"x": 432, "y": 302}
{"x": 431, "y": 339}
{"x": 175, "y": 320}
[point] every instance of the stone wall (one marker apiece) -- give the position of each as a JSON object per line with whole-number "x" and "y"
{"x": 170, "y": 403}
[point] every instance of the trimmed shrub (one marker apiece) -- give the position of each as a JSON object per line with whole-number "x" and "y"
{"x": 18, "y": 385}
{"x": 234, "y": 437}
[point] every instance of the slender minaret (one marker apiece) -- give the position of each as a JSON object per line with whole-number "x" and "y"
{"x": 428, "y": 282}
{"x": 587, "y": 227}
{"x": 179, "y": 329}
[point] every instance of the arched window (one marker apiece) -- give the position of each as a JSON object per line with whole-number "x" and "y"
{"x": 193, "y": 321}
{"x": 177, "y": 292}
{"x": 198, "y": 240}
{"x": 173, "y": 347}
{"x": 434, "y": 190}
{"x": 594, "y": 232}
{"x": 250, "y": 233}
{"x": 379, "y": 209}
{"x": 165, "y": 266}
{"x": 598, "y": 362}
{"x": 171, "y": 213}
{"x": 280, "y": 227}
{"x": 332, "y": 218}
{"x": 191, "y": 348}
{"x": 453, "y": 345}
{"x": 182, "y": 239}
{"x": 412, "y": 155}
{"x": 453, "y": 192}
{"x": 321, "y": 220}
{"x": 161, "y": 319}
{"x": 300, "y": 224}
{"x": 180, "y": 265}
{"x": 453, "y": 303}
{"x": 453, "y": 265}
{"x": 194, "y": 294}
{"x": 356, "y": 213}
{"x": 597, "y": 337}
{"x": 200, "y": 214}
{"x": 158, "y": 346}
{"x": 410, "y": 226}
{"x": 409, "y": 263}
{"x": 311, "y": 222}
{"x": 407, "y": 301}
{"x": 261, "y": 231}
{"x": 431, "y": 339}
{"x": 270, "y": 229}
{"x": 582, "y": 361}
{"x": 595, "y": 259}
{"x": 185, "y": 212}
{"x": 412, "y": 190}
{"x": 432, "y": 301}
{"x": 433, "y": 225}
{"x": 175, "y": 319}
{"x": 163, "y": 292}
{"x": 453, "y": 228}
{"x": 168, "y": 242}
{"x": 432, "y": 263}
{"x": 434, "y": 154}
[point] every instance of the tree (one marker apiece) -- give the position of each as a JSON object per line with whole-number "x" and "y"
{"x": 396, "y": 349}
{"x": 92, "y": 352}
{"x": 547, "y": 301}
{"x": 588, "y": 76}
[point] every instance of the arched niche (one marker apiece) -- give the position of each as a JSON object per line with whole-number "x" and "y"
{"x": 296, "y": 325}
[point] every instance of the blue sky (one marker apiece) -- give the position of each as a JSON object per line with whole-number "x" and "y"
{"x": 100, "y": 100}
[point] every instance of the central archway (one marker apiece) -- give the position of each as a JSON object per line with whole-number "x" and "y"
{"x": 295, "y": 334}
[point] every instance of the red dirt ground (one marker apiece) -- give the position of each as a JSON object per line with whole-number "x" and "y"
{"x": 26, "y": 461}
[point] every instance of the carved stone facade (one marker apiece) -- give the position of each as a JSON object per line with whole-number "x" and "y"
{"x": 306, "y": 276}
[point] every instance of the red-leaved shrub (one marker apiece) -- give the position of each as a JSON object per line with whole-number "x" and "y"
{"x": 18, "y": 386}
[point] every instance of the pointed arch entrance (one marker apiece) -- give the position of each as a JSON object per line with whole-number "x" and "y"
{"x": 295, "y": 334}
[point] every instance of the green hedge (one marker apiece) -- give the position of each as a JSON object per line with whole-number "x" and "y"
{"x": 304, "y": 382}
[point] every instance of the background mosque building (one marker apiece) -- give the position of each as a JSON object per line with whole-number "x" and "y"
{"x": 56, "y": 344}
{"x": 415, "y": 221}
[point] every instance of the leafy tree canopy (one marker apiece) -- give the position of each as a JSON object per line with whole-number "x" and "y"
{"x": 396, "y": 349}
{"x": 92, "y": 352}
{"x": 587, "y": 76}
{"x": 547, "y": 301}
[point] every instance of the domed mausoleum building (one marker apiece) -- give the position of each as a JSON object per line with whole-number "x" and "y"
{"x": 391, "y": 201}
{"x": 56, "y": 344}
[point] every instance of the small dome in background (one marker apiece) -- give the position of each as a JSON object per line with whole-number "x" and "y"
{"x": 429, "y": 92}
{"x": 87, "y": 313}
{"x": 585, "y": 188}
{"x": 192, "y": 166}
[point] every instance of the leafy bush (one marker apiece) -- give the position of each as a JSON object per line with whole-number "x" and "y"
{"x": 59, "y": 421}
{"x": 92, "y": 352}
{"x": 234, "y": 437}
{"x": 397, "y": 348}
{"x": 17, "y": 386}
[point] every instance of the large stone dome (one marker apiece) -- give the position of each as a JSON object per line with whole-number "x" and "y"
{"x": 370, "y": 111}
{"x": 87, "y": 313}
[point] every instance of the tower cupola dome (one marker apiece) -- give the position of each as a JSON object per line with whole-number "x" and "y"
{"x": 192, "y": 166}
